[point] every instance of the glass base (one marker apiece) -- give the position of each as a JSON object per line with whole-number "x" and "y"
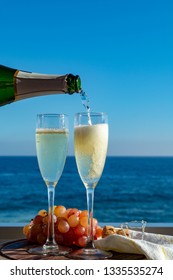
{"x": 89, "y": 254}
{"x": 55, "y": 250}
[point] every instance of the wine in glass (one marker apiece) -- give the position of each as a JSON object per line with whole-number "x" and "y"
{"x": 51, "y": 146}
{"x": 90, "y": 144}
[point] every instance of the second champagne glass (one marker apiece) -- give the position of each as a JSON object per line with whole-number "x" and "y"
{"x": 51, "y": 145}
{"x": 90, "y": 143}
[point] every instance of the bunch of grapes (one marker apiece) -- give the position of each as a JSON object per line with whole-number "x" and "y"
{"x": 71, "y": 227}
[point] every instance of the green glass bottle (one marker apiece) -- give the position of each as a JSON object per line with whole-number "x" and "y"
{"x": 17, "y": 85}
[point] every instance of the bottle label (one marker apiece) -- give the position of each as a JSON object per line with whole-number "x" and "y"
{"x": 34, "y": 84}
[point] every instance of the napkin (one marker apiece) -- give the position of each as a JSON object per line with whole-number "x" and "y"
{"x": 153, "y": 246}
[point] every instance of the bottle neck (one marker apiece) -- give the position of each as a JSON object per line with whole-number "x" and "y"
{"x": 32, "y": 84}
{"x": 73, "y": 84}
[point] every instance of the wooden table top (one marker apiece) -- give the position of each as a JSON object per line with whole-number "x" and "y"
{"x": 18, "y": 250}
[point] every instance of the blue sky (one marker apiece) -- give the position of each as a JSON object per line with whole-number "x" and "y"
{"x": 123, "y": 52}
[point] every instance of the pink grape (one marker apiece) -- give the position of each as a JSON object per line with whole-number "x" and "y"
{"x": 73, "y": 211}
{"x": 42, "y": 213}
{"x": 69, "y": 237}
{"x": 83, "y": 213}
{"x": 63, "y": 226}
{"x": 59, "y": 238}
{"x": 59, "y": 211}
{"x": 79, "y": 230}
{"x": 66, "y": 213}
{"x": 84, "y": 221}
{"x": 41, "y": 238}
{"x": 38, "y": 220}
{"x": 73, "y": 220}
{"x": 82, "y": 241}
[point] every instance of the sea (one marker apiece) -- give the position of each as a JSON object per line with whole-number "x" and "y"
{"x": 131, "y": 188}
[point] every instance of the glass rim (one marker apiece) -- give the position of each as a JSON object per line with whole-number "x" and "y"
{"x": 91, "y": 113}
{"x": 52, "y": 115}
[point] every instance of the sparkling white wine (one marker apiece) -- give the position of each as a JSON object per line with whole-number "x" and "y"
{"x": 51, "y": 145}
{"x": 91, "y": 142}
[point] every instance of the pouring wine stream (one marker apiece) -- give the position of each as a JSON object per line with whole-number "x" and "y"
{"x": 85, "y": 102}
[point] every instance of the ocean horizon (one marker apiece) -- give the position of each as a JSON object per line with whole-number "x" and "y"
{"x": 131, "y": 188}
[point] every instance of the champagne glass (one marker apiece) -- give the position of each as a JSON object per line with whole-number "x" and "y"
{"x": 51, "y": 146}
{"x": 90, "y": 144}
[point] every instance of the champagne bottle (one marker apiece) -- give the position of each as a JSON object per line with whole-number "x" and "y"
{"x": 17, "y": 85}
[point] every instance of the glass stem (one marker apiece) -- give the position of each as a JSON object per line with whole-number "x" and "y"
{"x": 90, "y": 204}
{"x": 50, "y": 242}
